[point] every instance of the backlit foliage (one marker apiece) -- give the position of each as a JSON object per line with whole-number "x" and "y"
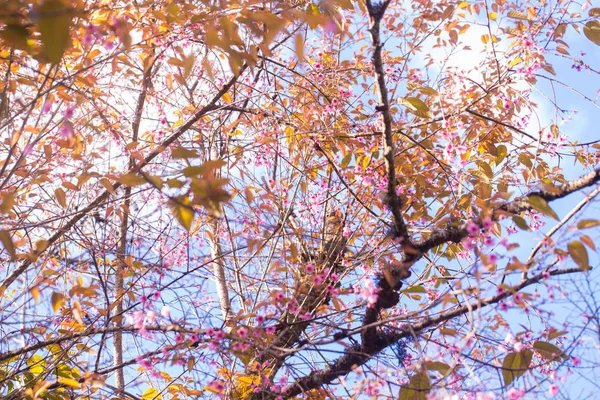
{"x": 296, "y": 199}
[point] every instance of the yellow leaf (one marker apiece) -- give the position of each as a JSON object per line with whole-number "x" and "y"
{"x": 212, "y": 389}
{"x": 36, "y": 364}
{"x": 35, "y": 293}
{"x": 188, "y": 65}
{"x": 587, "y": 223}
{"x": 299, "y": 46}
{"x": 181, "y": 152}
{"x": 514, "y": 62}
{"x": 182, "y": 211}
{"x": 8, "y": 201}
{"x": 8, "y": 244}
{"x": 517, "y": 15}
{"x": 54, "y": 25}
{"x": 61, "y": 197}
{"x": 131, "y": 180}
{"x": 591, "y": 30}
{"x": 57, "y": 301}
{"x": 69, "y": 382}
{"x": 41, "y": 245}
{"x": 448, "y": 332}
{"x": 150, "y": 394}
{"x": 588, "y": 242}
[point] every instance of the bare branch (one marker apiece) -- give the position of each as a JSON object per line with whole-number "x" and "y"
{"x": 212, "y": 105}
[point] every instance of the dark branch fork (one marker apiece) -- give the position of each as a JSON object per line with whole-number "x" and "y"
{"x": 375, "y": 340}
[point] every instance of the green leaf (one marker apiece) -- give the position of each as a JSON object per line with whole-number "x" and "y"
{"x": 441, "y": 367}
{"x": 515, "y": 365}
{"x": 415, "y": 289}
{"x": 486, "y": 169}
{"x": 525, "y": 160}
{"x": 244, "y": 356}
{"x": 182, "y": 211}
{"x": 54, "y": 25}
{"x": 588, "y": 223}
{"x": 15, "y": 35}
{"x": 501, "y": 152}
{"x": 150, "y": 394}
{"x": 579, "y": 254}
{"x": 346, "y": 160}
{"x": 417, "y": 389}
{"x": 175, "y": 183}
{"x": 131, "y": 180}
{"x": 415, "y": 104}
{"x": 521, "y": 223}
{"x": 549, "y": 351}
{"x": 539, "y": 204}
{"x": 591, "y": 30}
{"x": 480, "y": 175}
{"x": 181, "y": 152}
{"x": 554, "y": 334}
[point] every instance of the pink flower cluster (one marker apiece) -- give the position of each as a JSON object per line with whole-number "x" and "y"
{"x": 369, "y": 291}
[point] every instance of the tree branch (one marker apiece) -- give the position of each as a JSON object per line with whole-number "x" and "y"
{"x": 374, "y": 341}
{"x": 393, "y": 201}
{"x": 354, "y": 358}
{"x": 124, "y": 228}
{"x": 211, "y": 106}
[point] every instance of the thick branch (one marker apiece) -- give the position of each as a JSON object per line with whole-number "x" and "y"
{"x": 376, "y": 12}
{"x": 516, "y": 206}
{"x": 355, "y": 358}
{"x": 309, "y": 296}
{"x": 373, "y": 341}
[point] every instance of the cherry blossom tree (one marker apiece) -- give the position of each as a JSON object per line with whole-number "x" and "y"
{"x": 290, "y": 199}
